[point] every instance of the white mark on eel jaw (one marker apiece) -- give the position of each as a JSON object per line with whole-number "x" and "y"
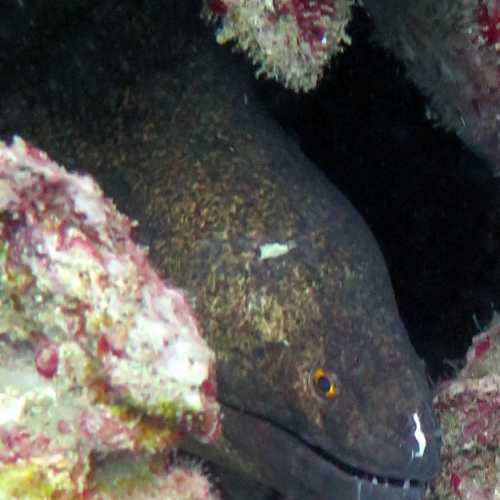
{"x": 419, "y": 436}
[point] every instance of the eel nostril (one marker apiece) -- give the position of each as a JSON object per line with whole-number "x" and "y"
{"x": 404, "y": 425}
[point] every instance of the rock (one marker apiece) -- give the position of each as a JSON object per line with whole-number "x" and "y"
{"x": 98, "y": 354}
{"x": 469, "y": 410}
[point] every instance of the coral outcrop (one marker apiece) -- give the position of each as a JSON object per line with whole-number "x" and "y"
{"x": 289, "y": 40}
{"x": 469, "y": 410}
{"x": 451, "y": 49}
{"x": 98, "y": 355}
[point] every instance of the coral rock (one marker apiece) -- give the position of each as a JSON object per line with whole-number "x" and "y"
{"x": 469, "y": 410}
{"x": 289, "y": 40}
{"x": 452, "y": 51}
{"x": 97, "y": 353}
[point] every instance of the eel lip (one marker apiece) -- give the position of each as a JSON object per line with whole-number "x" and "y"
{"x": 350, "y": 483}
{"x": 293, "y": 466}
{"x": 361, "y": 489}
{"x": 405, "y": 447}
{"x": 403, "y": 466}
{"x": 356, "y": 483}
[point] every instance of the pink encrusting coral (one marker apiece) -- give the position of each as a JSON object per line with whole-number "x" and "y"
{"x": 469, "y": 410}
{"x": 289, "y": 40}
{"x": 488, "y": 21}
{"x": 97, "y": 353}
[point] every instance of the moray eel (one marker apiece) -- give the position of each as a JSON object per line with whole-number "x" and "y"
{"x": 322, "y": 392}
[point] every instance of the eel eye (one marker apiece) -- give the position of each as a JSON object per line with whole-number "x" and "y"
{"x": 324, "y": 383}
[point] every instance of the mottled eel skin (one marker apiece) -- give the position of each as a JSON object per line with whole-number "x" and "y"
{"x": 323, "y": 395}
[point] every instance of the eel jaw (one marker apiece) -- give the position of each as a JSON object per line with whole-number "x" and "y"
{"x": 291, "y": 465}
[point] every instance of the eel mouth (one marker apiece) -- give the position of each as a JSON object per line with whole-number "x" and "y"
{"x": 357, "y": 472}
{"x": 288, "y": 462}
{"x": 363, "y": 485}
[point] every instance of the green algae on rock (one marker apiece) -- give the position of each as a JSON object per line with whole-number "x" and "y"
{"x": 151, "y": 478}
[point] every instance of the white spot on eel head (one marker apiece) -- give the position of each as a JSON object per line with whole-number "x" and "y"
{"x": 273, "y": 250}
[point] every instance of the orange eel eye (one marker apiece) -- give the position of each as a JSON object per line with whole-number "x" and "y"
{"x": 324, "y": 383}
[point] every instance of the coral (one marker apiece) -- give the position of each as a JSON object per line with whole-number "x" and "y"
{"x": 487, "y": 20}
{"x": 452, "y": 52}
{"x": 140, "y": 478}
{"x": 97, "y": 353}
{"x": 289, "y": 40}
{"x": 469, "y": 410}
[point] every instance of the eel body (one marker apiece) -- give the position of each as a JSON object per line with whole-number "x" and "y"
{"x": 323, "y": 394}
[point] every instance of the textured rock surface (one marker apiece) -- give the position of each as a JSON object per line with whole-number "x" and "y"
{"x": 451, "y": 50}
{"x": 142, "y": 478}
{"x": 289, "y": 40}
{"x": 469, "y": 410}
{"x": 98, "y": 354}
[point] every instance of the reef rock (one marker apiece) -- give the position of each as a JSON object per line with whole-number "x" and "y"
{"x": 469, "y": 410}
{"x": 98, "y": 355}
